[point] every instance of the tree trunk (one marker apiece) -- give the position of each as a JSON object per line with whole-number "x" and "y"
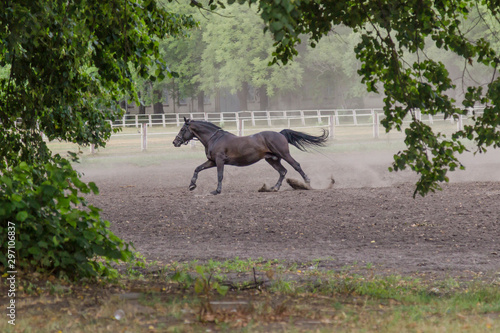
{"x": 264, "y": 98}
{"x": 124, "y": 106}
{"x": 243, "y": 97}
{"x": 158, "y": 104}
{"x": 201, "y": 101}
{"x": 142, "y": 107}
{"x": 217, "y": 101}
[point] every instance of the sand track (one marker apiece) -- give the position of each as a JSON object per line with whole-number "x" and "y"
{"x": 368, "y": 217}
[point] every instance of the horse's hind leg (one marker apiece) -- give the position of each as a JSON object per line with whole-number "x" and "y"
{"x": 275, "y": 162}
{"x": 287, "y": 157}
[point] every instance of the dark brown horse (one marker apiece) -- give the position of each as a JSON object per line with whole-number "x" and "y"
{"x": 222, "y": 148}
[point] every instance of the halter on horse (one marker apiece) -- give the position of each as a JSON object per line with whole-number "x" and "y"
{"x": 223, "y": 148}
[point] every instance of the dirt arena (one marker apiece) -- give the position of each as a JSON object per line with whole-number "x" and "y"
{"x": 368, "y": 219}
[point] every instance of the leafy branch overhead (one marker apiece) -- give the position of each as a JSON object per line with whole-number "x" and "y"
{"x": 70, "y": 62}
{"x": 391, "y": 32}
{"x": 64, "y": 65}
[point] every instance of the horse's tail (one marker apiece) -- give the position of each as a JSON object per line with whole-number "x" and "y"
{"x": 303, "y": 140}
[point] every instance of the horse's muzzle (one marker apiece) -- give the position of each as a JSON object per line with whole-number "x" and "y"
{"x": 179, "y": 142}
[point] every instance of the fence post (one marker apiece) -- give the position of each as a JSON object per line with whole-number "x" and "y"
{"x": 355, "y": 120}
{"x": 92, "y": 148}
{"x": 144, "y": 136}
{"x": 136, "y": 121}
{"x": 302, "y": 118}
{"x": 163, "y": 120}
{"x": 431, "y": 120}
{"x": 418, "y": 115}
{"x": 268, "y": 118}
{"x": 318, "y": 112}
{"x": 150, "y": 120}
{"x": 177, "y": 120}
{"x": 376, "y": 131}
{"x": 331, "y": 125}
{"x": 239, "y": 126}
{"x": 252, "y": 115}
{"x": 123, "y": 121}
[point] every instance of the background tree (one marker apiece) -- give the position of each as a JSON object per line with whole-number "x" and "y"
{"x": 389, "y": 31}
{"x": 329, "y": 66}
{"x": 68, "y": 65}
{"x": 184, "y": 56}
{"x": 237, "y": 55}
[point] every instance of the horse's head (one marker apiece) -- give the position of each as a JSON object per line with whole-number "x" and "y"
{"x": 185, "y": 134}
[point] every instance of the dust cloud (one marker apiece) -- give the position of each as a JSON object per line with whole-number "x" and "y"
{"x": 349, "y": 170}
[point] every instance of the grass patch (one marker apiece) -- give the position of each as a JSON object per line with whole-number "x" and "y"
{"x": 254, "y": 295}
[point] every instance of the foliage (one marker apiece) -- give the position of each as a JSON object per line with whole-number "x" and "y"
{"x": 317, "y": 299}
{"x": 328, "y": 67}
{"x": 70, "y": 64}
{"x": 236, "y": 53}
{"x": 64, "y": 67}
{"x": 390, "y": 30}
{"x": 204, "y": 283}
{"x": 56, "y": 228}
{"x": 181, "y": 54}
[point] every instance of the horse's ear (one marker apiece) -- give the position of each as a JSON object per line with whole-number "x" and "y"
{"x": 186, "y": 120}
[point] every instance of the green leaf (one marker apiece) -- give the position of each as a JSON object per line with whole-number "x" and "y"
{"x": 22, "y": 216}
{"x": 43, "y": 244}
{"x": 199, "y": 286}
{"x": 200, "y": 270}
{"x": 34, "y": 250}
{"x": 222, "y": 289}
{"x": 93, "y": 187}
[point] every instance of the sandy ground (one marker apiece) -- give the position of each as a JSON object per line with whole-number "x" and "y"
{"x": 368, "y": 218}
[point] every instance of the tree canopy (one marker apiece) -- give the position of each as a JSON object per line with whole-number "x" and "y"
{"x": 65, "y": 65}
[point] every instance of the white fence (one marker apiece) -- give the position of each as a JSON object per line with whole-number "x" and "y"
{"x": 262, "y": 120}
{"x": 342, "y": 117}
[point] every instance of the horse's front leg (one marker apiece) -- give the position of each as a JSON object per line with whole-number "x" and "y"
{"x": 220, "y": 175}
{"x": 207, "y": 165}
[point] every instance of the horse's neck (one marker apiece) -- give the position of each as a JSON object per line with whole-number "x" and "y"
{"x": 204, "y": 134}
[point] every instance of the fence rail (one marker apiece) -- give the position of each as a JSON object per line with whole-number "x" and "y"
{"x": 342, "y": 117}
{"x": 262, "y": 120}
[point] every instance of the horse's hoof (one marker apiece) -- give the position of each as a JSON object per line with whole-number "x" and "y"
{"x": 192, "y": 187}
{"x": 215, "y": 192}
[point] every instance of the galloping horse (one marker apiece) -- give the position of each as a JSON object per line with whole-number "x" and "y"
{"x": 222, "y": 148}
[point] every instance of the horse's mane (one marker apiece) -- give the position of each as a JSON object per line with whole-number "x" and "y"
{"x": 209, "y": 124}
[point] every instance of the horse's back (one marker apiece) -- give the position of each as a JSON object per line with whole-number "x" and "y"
{"x": 275, "y": 142}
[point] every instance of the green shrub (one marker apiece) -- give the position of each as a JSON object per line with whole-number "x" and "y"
{"x": 55, "y": 229}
